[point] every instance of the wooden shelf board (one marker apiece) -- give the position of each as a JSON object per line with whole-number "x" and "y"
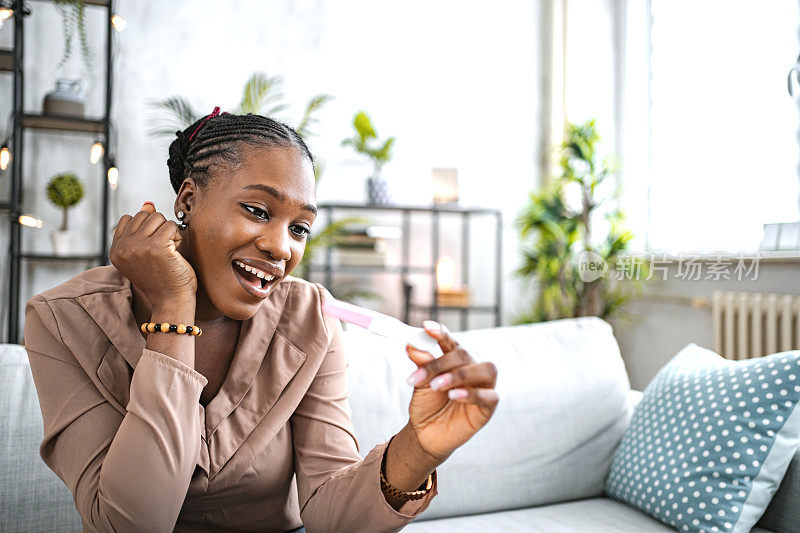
{"x": 50, "y": 257}
{"x": 6, "y": 60}
{"x": 98, "y": 3}
{"x": 445, "y": 208}
{"x": 476, "y": 308}
{"x": 62, "y": 123}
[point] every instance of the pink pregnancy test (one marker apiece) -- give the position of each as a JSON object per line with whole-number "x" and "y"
{"x": 381, "y": 324}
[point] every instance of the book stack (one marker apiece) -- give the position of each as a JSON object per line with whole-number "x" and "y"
{"x": 365, "y": 245}
{"x": 453, "y": 296}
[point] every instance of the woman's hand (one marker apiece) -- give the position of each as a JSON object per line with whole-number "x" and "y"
{"x": 442, "y": 423}
{"x": 145, "y": 250}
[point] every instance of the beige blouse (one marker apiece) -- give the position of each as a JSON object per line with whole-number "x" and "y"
{"x": 274, "y": 450}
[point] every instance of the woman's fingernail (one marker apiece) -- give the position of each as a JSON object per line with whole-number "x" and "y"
{"x": 149, "y": 202}
{"x": 457, "y": 393}
{"x": 416, "y": 377}
{"x": 441, "y": 381}
{"x": 431, "y": 325}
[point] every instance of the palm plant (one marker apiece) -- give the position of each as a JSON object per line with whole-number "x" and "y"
{"x": 556, "y": 237}
{"x": 262, "y": 95}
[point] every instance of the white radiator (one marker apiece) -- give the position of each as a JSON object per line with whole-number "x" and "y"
{"x": 752, "y": 324}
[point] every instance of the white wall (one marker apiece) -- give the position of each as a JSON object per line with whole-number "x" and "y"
{"x": 456, "y": 82}
{"x": 658, "y": 329}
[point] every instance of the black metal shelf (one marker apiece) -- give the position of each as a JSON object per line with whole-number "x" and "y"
{"x": 433, "y": 208}
{"x": 11, "y": 60}
{"x": 374, "y": 269}
{"x": 329, "y": 269}
{"x": 475, "y": 308}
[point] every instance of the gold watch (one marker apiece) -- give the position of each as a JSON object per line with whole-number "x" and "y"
{"x": 402, "y": 495}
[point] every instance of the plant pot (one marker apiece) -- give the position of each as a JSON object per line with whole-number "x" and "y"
{"x": 378, "y": 191}
{"x": 62, "y": 242}
{"x": 67, "y": 98}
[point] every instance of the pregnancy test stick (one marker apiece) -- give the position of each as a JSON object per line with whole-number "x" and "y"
{"x": 381, "y": 324}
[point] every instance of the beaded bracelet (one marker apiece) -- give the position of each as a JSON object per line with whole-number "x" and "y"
{"x": 150, "y": 327}
{"x": 399, "y": 494}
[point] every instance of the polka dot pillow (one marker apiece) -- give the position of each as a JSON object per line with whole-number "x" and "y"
{"x": 710, "y": 441}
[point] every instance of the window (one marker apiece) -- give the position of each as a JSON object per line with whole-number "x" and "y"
{"x": 723, "y": 130}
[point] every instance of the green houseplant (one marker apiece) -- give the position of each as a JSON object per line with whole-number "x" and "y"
{"x": 64, "y": 190}
{"x": 572, "y": 262}
{"x": 379, "y": 155}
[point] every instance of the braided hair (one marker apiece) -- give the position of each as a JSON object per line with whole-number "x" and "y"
{"x": 216, "y": 138}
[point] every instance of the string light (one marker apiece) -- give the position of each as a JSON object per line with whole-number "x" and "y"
{"x": 96, "y": 152}
{"x": 118, "y": 23}
{"x": 113, "y": 176}
{"x": 5, "y": 157}
{"x": 30, "y": 221}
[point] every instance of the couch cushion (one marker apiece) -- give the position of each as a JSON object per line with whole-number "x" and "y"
{"x": 596, "y": 514}
{"x": 32, "y": 498}
{"x": 783, "y": 513}
{"x": 563, "y": 409}
{"x": 711, "y": 440}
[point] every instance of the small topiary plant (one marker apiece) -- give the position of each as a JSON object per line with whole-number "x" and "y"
{"x": 65, "y": 190}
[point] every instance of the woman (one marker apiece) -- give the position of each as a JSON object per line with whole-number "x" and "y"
{"x": 246, "y": 426}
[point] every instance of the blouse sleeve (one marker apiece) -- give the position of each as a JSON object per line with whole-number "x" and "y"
{"x": 337, "y": 489}
{"x": 126, "y": 473}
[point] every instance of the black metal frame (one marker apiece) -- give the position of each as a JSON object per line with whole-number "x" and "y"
{"x": 329, "y": 269}
{"x": 23, "y": 121}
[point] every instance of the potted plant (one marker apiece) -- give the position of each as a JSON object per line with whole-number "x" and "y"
{"x": 73, "y": 18}
{"x": 377, "y": 189}
{"x": 69, "y": 94}
{"x": 564, "y": 252}
{"x": 64, "y": 190}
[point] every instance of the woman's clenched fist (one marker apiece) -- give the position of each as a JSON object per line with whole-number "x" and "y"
{"x": 145, "y": 250}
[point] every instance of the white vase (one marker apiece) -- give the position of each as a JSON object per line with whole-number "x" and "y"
{"x": 62, "y": 242}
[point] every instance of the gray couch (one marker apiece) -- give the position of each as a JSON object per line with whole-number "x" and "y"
{"x": 538, "y": 465}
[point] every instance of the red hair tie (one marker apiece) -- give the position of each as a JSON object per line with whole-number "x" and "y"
{"x": 212, "y": 115}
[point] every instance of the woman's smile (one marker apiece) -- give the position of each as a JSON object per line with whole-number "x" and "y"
{"x": 256, "y": 281}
